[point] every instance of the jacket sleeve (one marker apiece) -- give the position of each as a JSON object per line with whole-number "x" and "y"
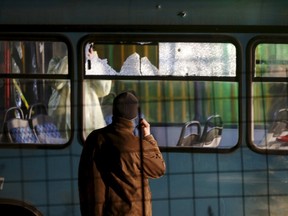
{"x": 90, "y": 184}
{"x": 153, "y": 162}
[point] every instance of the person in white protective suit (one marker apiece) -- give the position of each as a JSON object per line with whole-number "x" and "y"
{"x": 93, "y": 115}
{"x": 60, "y": 104}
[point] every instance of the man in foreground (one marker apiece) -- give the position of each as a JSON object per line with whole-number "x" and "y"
{"x": 115, "y": 165}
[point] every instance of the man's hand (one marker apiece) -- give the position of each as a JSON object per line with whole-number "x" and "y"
{"x": 145, "y": 127}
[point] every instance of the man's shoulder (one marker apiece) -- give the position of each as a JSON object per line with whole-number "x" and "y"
{"x": 97, "y": 134}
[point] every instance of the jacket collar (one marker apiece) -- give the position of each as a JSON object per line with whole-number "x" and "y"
{"x": 119, "y": 122}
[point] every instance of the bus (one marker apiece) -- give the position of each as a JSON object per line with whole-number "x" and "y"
{"x": 211, "y": 78}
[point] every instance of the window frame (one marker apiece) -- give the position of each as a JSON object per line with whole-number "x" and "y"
{"x": 252, "y": 78}
{"x": 42, "y": 37}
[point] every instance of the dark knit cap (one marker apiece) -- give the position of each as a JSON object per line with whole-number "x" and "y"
{"x": 125, "y": 105}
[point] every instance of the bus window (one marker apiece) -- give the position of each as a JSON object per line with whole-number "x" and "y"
{"x": 270, "y": 97}
{"x": 165, "y": 59}
{"x": 188, "y": 92}
{"x": 35, "y": 83}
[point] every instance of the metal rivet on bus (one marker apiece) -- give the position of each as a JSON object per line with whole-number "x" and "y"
{"x": 182, "y": 14}
{"x": 158, "y": 6}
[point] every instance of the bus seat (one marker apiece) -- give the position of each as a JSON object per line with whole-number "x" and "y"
{"x": 17, "y": 128}
{"x": 44, "y": 126}
{"x": 280, "y": 123}
{"x": 192, "y": 138}
{"x": 13, "y": 207}
{"x": 212, "y": 132}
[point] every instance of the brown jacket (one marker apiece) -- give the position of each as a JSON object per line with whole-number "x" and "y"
{"x": 111, "y": 169}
